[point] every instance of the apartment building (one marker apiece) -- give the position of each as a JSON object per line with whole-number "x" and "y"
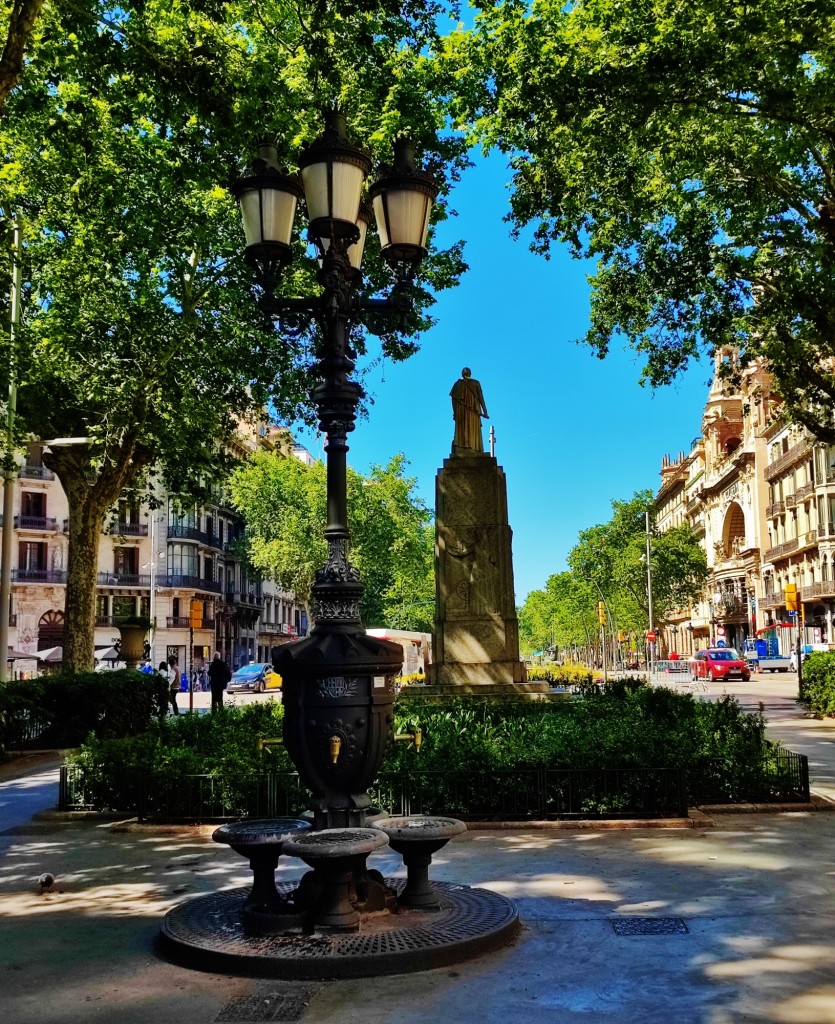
{"x": 761, "y": 495}
{"x": 152, "y": 562}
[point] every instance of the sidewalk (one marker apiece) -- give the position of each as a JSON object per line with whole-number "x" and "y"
{"x": 746, "y": 910}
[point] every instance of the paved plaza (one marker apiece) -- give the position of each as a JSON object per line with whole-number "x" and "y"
{"x": 741, "y": 916}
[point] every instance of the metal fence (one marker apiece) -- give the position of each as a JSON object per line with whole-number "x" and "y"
{"x": 782, "y": 776}
{"x": 505, "y": 795}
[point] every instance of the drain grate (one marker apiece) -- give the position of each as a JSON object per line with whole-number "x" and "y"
{"x": 649, "y": 926}
{"x": 275, "y": 1005}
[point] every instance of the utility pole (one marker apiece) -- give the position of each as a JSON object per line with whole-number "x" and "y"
{"x": 9, "y": 463}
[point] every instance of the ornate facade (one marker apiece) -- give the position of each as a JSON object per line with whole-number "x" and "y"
{"x": 154, "y": 563}
{"x": 761, "y": 494}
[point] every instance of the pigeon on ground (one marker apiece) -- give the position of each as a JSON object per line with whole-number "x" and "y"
{"x": 46, "y": 881}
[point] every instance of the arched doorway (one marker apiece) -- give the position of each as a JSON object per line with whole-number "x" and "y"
{"x": 50, "y": 630}
{"x": 733, "y": 530}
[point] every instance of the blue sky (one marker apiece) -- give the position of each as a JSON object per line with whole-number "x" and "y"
{"x": 573, "y": 432}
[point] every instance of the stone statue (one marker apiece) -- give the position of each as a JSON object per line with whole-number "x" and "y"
{"x": 468, "y": 408}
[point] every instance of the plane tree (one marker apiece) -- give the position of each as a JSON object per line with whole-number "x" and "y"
{"x": 140, "y": 330}
{"x": 689, "y": 150}
{"x": 284, "y": 503}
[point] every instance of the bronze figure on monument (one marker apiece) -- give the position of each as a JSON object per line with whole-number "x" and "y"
{"x": 468, "y": 409}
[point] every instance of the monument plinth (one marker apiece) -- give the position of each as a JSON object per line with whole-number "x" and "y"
{"x": 476, "y": 636}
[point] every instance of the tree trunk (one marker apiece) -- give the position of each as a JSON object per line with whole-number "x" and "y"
{"x": 87, "y": 515}
{"x": 89, "y": 504}
{"x": 22, "y": 20}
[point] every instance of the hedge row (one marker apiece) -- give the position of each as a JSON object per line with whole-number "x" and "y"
{"x": 62, "y": 710}
{"x": 721, "y": 747}
{"x": 818, "y": 687}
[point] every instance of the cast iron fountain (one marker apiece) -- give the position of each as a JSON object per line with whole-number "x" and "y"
{"x": 343, "y": 918}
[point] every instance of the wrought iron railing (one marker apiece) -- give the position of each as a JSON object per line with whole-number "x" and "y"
{"x": 36, "y": 473}
{"x": 185, "y": 582}
{"x": 513, "y": 795}
{"x": 43, "y": 524}
{"x": 39, "y": 575}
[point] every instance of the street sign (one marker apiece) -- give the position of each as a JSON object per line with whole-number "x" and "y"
{"x": 720, "y": 643}
{"x": 651, "y": 638}
{"x": 720, "y": 630}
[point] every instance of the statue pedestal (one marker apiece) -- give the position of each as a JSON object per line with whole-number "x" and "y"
{"x": 476, "y": 636}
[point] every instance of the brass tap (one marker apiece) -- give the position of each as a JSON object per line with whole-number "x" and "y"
{"x": 265, "y": 742}
{"x": 336, "y": 746}
{"x": 414, "y": 736}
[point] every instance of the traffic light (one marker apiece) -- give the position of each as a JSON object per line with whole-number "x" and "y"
{"x": 601, "y": 612}
{"x": 790, "y": 594}
{"x": 621, "y": 636}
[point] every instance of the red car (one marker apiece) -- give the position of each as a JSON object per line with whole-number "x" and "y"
{"x": 719, "y": 663}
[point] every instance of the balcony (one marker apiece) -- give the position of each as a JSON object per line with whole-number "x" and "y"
{"x": 781, "y": 550}
{"x": 210, "y": 540}
{"x": 41, "y": 524}
{"x": 729, "y": 606}
{"x": 774, "y": 509}
{"x": 36, "y": 473}
{"x": 804, "y": 491}
{"x": 184, "y": 622}
{"x": 106, "y": 620}
{"x": 250, "y": 598}
{"x": 184, "y": 532}
{"x": 177, "y": 581}
{"x": 129, "y": 529}
{"x": 123, "y": 579}
{"x": 824, "y": 588}
{"x": 39, "y": 575}
{"x": 790, "y": 500}
{"x": 794, "y": 454}
{"x": 826, "y": 530}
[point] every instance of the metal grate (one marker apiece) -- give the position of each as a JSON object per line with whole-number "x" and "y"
{"x": 286, "y": 1004}
{"x": 649, "y": 926}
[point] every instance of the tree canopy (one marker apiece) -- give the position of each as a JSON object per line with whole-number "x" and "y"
{"x": 609, "y": 562}
{"x": 120, "y": 139}
{"x": 689, "y": 149}
{"x": 392, "y": 535}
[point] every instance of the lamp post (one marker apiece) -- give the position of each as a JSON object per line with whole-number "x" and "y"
{"x": 338, "y": 683}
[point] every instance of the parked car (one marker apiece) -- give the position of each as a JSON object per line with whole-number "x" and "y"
{"x": 255, "y": 678}
{"x": 717, "y": 663}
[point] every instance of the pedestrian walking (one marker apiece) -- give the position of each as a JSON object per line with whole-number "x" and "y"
{"x": 219, "y": 676}
{"x": 173, "y": 684}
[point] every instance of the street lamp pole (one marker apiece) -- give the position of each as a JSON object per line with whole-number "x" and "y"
{"x": 338, "y": 682}
{"x": 649, "y": 595}
{"x": 10, "y": 467}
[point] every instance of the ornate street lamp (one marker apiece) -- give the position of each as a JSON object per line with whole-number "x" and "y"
{"x": 338, "y": 683}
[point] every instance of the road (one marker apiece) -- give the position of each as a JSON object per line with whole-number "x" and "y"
{"x": 35, "y": 790}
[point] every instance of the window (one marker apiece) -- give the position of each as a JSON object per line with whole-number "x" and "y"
{"x": 126, "y": 561}
{"x": 182, "y": 560}
{"x": 33, "y": 503}
{"x": 31, "y": 556}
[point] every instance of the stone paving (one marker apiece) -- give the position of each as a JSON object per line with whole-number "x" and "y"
{"x": 711, "y": 925}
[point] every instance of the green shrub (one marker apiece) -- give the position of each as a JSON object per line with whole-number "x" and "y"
{"x": 819, "y": 684}
{"x": 68, "y": 706}
{"x": 623, "y": 725}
